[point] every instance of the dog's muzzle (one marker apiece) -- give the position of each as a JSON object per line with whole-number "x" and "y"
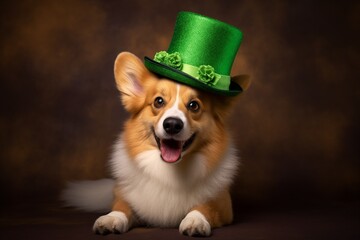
{"x": 170, "y": 148}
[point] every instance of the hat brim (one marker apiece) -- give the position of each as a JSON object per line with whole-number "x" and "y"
{"x": 179, "y": 76}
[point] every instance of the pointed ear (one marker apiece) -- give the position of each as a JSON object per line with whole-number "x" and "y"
{"x": 223, "y": 105}
{"x": 130, "y": 74}
{"x": 243, "y": 80}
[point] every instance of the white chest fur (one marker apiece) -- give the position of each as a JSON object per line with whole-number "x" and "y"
{"x": 159, "y": 192}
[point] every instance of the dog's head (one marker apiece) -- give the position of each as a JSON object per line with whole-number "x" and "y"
{"x": 175, "y": 119}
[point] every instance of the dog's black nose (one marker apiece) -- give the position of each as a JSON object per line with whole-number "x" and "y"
{"x": 173, "y": 125}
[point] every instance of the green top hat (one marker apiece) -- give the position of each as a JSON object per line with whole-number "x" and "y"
{"x": 201, "y": 53}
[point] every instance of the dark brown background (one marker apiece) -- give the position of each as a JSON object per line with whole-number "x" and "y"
{"x": 297, "y": 126}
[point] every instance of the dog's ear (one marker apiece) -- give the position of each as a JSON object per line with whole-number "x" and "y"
{"x": 243, "y": 80}
{"x": 224, "y": 104}
{"x": 130, "y": 74}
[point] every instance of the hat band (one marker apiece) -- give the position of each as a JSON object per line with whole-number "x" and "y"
{"x": 204, "y": 73}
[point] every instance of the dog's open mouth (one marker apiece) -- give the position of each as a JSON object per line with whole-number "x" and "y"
{"x": 172, "y": 149}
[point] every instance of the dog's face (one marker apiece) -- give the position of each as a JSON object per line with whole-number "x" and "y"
{"x": 171, "y": 117}
{"x": 178, "y": 116}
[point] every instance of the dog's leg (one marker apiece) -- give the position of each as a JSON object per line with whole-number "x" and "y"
{"x": 119, "y": 220}
{"x": 201, "y": 219}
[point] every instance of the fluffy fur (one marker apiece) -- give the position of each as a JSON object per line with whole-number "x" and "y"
{"x": 173, "y": 163}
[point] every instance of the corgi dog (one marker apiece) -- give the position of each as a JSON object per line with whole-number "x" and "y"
{"x": 174, "y": 162}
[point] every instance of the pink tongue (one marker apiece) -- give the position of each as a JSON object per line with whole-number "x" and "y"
{"x": 170, "y": 150}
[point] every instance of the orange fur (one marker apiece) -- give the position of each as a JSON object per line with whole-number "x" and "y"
{"x": 174, "y": 161}
{"x": 209, "y": 122}
{"x": 120, "y": 204}
{"x": 217, "y": 211}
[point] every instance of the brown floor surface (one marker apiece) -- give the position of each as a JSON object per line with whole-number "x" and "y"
{"x": 337, "y": 221}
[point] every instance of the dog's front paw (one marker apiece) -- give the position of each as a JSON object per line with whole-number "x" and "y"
{"x": 195, "y": 224}
{"x": 114, "y": 222}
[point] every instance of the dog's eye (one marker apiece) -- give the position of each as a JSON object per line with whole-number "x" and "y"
{"x": 159, "y": 102}
{"x": 193, "y": 106}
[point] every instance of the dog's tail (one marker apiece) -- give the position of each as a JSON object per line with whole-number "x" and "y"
{"x": 92, "y": 196}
